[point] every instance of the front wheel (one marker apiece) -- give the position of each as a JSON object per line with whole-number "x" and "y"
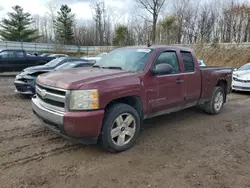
{"x": 216, "y": 103}
{"x": 120, "y": 129}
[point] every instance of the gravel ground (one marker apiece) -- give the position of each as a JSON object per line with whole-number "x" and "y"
{"x": 184, "y": 149}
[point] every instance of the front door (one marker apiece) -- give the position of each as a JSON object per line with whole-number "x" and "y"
{"x": 170, "y": 93}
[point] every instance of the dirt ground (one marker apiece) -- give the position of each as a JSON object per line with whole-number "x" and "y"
{"x": 184, "y": 149}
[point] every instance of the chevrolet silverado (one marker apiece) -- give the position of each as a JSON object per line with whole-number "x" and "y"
{"x": 108, "y": 102}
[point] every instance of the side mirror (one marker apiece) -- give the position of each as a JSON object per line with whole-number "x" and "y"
{"x": 162, "y": 69}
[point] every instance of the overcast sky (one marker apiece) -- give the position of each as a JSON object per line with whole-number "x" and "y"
{"x": 81, "y": 8}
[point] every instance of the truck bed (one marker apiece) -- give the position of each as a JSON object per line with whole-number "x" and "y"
{"x": 210, "y": 75}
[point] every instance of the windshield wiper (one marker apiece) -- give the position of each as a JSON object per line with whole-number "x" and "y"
{"x": 113, "y": 67}
{"x": 97, "y": 66}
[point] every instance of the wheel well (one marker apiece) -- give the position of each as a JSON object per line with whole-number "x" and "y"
{"x": 223, "y": 84}
{"x": 134, "y": 101}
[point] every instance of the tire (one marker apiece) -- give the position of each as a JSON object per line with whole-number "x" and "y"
{"x": 114, "y": 119}
{"x": 212, "y": 107}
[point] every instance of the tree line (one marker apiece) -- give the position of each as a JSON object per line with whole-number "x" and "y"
{"x": 153, "y": 21}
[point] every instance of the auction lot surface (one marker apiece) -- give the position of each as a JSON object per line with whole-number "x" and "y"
{"x": 185, "y": 149}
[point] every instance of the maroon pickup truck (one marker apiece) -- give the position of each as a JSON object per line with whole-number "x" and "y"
{"x": 108, "y": 102}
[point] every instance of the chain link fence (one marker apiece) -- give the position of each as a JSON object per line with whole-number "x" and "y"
{"x": 44, "y": 47}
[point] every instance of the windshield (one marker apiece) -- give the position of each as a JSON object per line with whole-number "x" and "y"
{"x": 244, "y": 67}
{"x": 66, "y": 66}
{"x": 128, "y": 59}
{"x": 54, "y": 62}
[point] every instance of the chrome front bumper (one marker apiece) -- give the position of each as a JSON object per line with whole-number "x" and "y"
{"x": 53, "y": 120}
{"x": 45, "y": 114}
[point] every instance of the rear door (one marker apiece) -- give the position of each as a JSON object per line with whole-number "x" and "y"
{"x": 192, "y": 78}
{"x": 170, "y": 86}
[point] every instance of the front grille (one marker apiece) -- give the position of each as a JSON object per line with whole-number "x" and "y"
{"x": 54, "y": 90}
{"x": 22, "y": 88}
{"x": 51, "y": 98}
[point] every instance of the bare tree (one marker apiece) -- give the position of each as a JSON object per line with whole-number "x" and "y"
{"x": 98, "y": 15}
{"x": 153, "y": 7}
{"x": 52, "y": 11}
{"x": 188, "y": 21}
{"x": 206, "y": 23}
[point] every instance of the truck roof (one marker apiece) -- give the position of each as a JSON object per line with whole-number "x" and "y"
{"x": 175, "y": 47}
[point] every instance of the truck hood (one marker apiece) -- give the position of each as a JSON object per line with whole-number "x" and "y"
{"x": 86, "y": 78}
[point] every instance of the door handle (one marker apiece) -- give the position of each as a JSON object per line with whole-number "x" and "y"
{"x": 179, "y": 81}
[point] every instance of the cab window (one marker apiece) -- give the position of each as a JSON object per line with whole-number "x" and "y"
{"x": 170, "y": 58}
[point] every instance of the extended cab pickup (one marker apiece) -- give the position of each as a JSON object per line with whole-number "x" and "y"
{"x": 17, "y": 60}
{"x": 108, "y": 102}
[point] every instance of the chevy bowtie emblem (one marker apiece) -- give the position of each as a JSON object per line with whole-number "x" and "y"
{"x": 43, "y": 93}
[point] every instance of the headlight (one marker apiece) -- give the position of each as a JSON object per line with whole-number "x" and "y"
{"x": 18, "y": 76}
{"x": 84, "y": 100}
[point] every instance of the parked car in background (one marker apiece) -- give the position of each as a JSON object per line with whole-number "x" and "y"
{"x": 25, "y": 82}
{"x": 52, "y": 64}
{"x": 44, "y": 54}
{"x": 108, "y": 102}
{"x": 201, "y": 63}
{"x": 95, "y": 59}
{"x": 241, "y": 78}
{"x": 58, "y": 55}
{"x": 17, "y": 60}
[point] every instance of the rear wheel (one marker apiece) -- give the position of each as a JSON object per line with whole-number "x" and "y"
{"x": 120, "y": 129}
{"x": 216, "y": 103}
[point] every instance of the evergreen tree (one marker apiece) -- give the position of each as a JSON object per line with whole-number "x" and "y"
{"x": 64, "y": 25}
{"x": 122, "y": 37}
{"x": 18, "y": 26}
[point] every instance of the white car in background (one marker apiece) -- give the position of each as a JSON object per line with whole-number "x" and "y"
{"x": 94, "y": 59}
{"x": 201, "y": 63}
{"x": 241, "y": 78}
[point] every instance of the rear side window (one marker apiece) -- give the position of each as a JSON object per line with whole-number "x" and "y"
{"x": 188, "y": 61}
